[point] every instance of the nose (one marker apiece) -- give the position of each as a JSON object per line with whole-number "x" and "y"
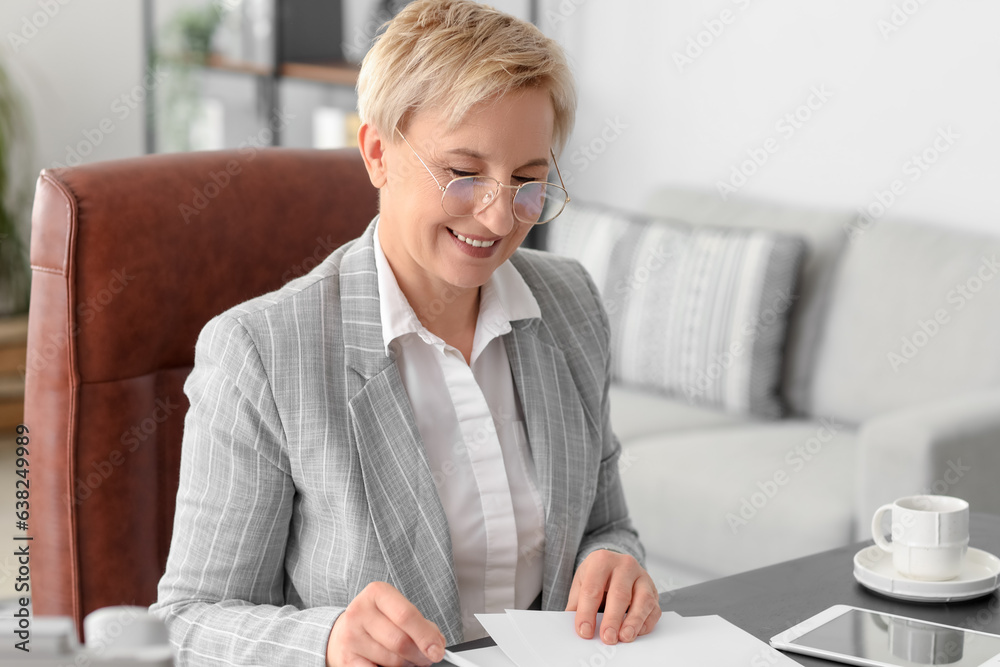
{"x": 498, "y": 215}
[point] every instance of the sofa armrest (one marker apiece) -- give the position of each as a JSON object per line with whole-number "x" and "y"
{"x": 948, "y": 447}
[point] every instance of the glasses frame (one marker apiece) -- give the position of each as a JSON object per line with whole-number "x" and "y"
{"x": 515, "y": 188}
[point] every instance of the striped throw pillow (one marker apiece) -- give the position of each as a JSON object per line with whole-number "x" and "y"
{"x": 697, "y": 313}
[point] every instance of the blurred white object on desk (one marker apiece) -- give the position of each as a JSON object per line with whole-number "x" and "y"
{"x": 120, "y": 636}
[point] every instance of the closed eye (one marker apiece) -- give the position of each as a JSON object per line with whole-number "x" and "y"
{"x": 458, "y": 173}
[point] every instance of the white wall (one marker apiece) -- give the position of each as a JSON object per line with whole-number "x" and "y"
{"x": 75, "y": 69}
{"x": 79, "y": 65}
{"x": 889, "y": 96}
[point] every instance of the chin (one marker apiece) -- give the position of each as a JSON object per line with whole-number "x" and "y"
{"x": 469, "y": 279}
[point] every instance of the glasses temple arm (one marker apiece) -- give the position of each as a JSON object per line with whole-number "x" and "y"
{"x": 436, "y": 182}
{"x": 558, "y": 173}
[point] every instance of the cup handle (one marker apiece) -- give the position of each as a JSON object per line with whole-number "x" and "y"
{"x": 877, "y": 533}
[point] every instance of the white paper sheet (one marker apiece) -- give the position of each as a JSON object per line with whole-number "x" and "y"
{"x": 502, "y": 630}
{"x": 548, "y": 638}
{"x": 552, "y": 638}
{"x": 491, "y": 656}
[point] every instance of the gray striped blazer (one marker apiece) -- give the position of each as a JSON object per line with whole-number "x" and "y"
{"x": 303, "y": 477}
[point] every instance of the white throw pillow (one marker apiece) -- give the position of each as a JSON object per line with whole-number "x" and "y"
{"x": 697, "y": 313}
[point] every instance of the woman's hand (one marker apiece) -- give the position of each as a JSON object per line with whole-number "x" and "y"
{"x": 628, "y": 587}
{"x": 381, "y": 627}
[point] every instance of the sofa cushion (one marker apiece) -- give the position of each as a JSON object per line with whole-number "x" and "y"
{"x": 823, "y": 232}
{"x": 637, "y": 412}
{"x": 736, "y": 498}
{"x": 914, "y": 317}
{"x": 696, "y": 313}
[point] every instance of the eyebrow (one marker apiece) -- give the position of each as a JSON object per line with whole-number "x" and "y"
{"x": 468, "y": 152}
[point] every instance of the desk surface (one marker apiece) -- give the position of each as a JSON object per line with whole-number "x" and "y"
{"x": 772, "y": 599}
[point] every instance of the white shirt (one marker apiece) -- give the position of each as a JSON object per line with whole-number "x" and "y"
{"x": 472, "y": 427}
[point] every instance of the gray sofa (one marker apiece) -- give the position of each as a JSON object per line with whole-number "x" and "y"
{"x": 891, "y": 378}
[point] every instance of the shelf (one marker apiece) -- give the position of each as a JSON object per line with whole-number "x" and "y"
{"x": 215, "y": 61}
{"x": 11, "y": 415}
{"x": 13, "y": 344}
{"x": 13, "y": 329}
{"x": 13, "y": 353}
{"x": 340, "y": 74}
{"x": 11, "y": 388}
{"x": 296, "y": 53}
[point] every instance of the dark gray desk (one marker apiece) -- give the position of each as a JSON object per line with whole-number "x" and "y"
{"x": 770, "y": 600}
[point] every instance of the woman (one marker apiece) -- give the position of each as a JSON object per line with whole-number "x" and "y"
{"x": 417, "y": 430}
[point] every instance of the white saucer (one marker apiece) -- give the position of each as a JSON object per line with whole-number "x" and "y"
{"x": 980, "y": 575}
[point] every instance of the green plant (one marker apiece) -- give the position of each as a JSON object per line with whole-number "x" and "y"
{"x": 185, "y": 44}
{"x": 195, "y": 28}
{"x": 15, "y": 274}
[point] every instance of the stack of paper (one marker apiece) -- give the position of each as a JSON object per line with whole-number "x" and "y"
{"x": 549, "y": 639}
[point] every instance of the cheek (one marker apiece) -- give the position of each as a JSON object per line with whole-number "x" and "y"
{"x": 522, "y": 233}
{"x": 428, "y": 192}
{"x": 415, "y": 191}
{"x": 515, "y": 243}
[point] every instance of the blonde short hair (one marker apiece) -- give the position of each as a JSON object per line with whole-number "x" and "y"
{"x": 453, "y": 54}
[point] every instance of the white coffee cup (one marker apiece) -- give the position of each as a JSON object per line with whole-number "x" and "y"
{"x": 930, "y": 536}
{"x": 122, "y": 630}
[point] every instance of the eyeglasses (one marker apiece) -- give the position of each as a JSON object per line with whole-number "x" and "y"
{"x": 534, "y": 202}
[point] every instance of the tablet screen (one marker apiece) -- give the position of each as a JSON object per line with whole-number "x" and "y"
{"x": 899, "y": 641}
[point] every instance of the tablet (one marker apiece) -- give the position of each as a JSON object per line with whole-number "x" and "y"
{"x": 876, "y": 639}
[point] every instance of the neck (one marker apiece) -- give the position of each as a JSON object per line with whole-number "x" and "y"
{"x": 445, "y": 310}
{"x": 451, "y": 316}
{"x": 451, "y": 320}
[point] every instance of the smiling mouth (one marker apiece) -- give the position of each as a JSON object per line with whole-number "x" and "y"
{"x": 472, "y": 242}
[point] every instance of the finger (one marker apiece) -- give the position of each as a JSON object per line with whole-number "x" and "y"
{"x": 591, "y": 593}
{"x": 617, "y": 602}
{"x": 358, "y": 661}
{"x": 370, "y": 651}
{"x": 408, "y": 618}
{"x": 394, "y": 639}
{"x": 651, "y": 621}
{"x": 574, "y": 590}
{"x": 643, "y": 602}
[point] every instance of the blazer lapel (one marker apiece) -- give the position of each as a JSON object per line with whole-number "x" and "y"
{"x": 405, "y": 508}
{"x": 557, "y": 434}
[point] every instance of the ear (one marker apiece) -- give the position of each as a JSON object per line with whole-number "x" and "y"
{"x": 370, "y": 144}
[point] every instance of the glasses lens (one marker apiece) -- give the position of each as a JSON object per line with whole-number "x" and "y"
{"x": 533, "y": 203}
{"x": 539, "y": 202}
{"x": 457, "y": 199}
{"x": 469, "y": 195}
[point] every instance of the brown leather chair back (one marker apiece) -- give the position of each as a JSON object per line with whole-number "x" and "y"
{"x": 130, "y": 259}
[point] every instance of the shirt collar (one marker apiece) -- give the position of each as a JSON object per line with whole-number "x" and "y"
{"x": 505, "y": 297}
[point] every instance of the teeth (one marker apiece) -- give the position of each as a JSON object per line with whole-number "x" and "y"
{"x": 476, "y": 244}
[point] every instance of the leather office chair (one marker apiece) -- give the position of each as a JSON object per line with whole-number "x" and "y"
{"x": 130, "y": 259}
